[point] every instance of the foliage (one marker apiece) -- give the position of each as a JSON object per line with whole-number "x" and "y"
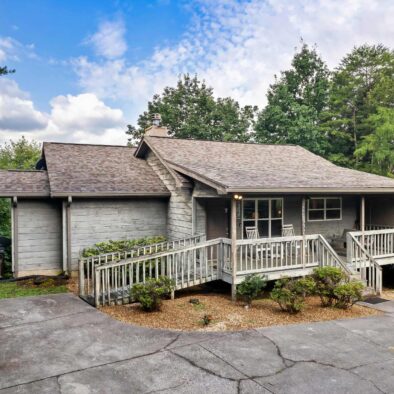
{"x": 362, "y": 82}
{"x": 348, "y": 294}
{"x": 326, "y": 280}
{"x": 16, "y": 289}
{"x": 295, "y": 102}
{"x": 5, "y": 70}
{"x": 151, "y": 293}
{"x": 290, "y": 293}
{"x": 191, "y": 111}
{"x": 378, "y": 147}
{"x": 206, "y": 320}
{"x": 120, "y": 246}
{"x": 251, "y": 287}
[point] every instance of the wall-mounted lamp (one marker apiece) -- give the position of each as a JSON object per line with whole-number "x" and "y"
{"x": 237, "y": 197}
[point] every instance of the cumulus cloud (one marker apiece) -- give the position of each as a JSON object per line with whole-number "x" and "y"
{"x": 80, "y": 118}
{"x": 238, "y": 47}
{"x": 109, "y": 40}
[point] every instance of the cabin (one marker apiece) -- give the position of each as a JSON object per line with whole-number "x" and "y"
{"x": 227, "y": 210}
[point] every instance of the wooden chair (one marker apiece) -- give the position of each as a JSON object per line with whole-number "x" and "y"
{"x": 252, "y": 232}
{"x": 288, "y": 230}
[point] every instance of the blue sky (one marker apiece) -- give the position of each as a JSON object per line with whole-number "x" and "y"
{"x": 87, "y": 68}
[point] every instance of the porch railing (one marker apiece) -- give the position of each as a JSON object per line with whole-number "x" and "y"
{"x": 187, "y": 267}
{"x": 88, "y": 264}
{"x": 378, "y": 243}
{"x": 369, "y": 227}
{"x": 285, "y": 253}
{"x": 363, "y": 262}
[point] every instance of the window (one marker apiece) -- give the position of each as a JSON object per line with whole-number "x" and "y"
{"x": 324, "y": 208}
{"x": 264, "y": 213}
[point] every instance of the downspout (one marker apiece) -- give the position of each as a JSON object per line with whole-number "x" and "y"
{"x": 14, "y": 234}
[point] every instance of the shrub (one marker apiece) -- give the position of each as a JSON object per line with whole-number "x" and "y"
{"x": 251, "y": 287}
{"x": 206, "y": 320}
{"x": 326, "y": 280}
{"x": 347, "y": 294}
{"x": 151, "y": 293}
{"x": 290, "y": 293}
{"x": 120, "y": 246}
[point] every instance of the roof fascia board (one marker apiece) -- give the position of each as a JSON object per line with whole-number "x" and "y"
{"x": 22, "y": 194}
{"x": 312, "y": 190}
{"x": 105, "y": 194}
{"x": 178, "y": 183}
{"x": 221, "y": 189}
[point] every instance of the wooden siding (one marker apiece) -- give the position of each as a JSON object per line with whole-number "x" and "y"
{"x": 179, "y": 214}
{"x": 101, "y": 220}
{"x": 39, "y": 236}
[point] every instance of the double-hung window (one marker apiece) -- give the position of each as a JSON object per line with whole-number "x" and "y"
{"x": 324, "y": 208}
{"x": 266, "y": 214}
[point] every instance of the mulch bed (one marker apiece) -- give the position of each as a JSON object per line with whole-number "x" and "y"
{"x": 180, "y": 314}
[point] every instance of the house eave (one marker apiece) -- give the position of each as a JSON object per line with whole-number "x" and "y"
{"x": 318, "y": 190}
{"x": 109, "y": 195}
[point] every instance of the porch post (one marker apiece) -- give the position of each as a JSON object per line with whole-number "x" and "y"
{"x": 362, "y": 218}
{"x": 303, "y": 232}
{"x": 68, "y": 225}
{"x": 233, "y": 248}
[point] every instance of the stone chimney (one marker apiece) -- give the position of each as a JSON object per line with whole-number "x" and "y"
{"x": 156, "y": 130}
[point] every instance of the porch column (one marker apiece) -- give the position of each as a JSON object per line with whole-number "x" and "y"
{"x": 303, "y": 231}
{"x": 234, "y": 248}
{"x": 14, "y": 236}
{"x": 68, "y": 233}
{"x": 362, "y": 218}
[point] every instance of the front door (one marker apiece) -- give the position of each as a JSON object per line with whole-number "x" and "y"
{"x": 218, "y": 223}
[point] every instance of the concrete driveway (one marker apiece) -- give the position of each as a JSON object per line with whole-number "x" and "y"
{"x": 59, "y": 344}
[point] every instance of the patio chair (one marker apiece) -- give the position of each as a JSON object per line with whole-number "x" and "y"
{"x": 252, "y": 232}
{"x": 288, "y": 230}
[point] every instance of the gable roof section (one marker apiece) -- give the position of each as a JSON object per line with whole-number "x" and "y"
{"x": 99, "y": 170}
{"x": 239, "y": 167}
{"x": 23, "y": 183}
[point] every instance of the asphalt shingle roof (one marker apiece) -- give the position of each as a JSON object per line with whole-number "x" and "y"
{"x": 80, "y": 169}
{"x": 29, "y": 183}
{"x": 238, "y": 166}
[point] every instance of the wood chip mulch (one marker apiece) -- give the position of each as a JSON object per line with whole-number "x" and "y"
{"x": 180, "y": 314}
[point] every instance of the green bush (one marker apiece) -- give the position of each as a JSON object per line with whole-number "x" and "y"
{"x": 290, "y": 293}
{"x": 151, "y": 293}
{"x": 251, "y": 287}
{"x": 348, "y": 294}
{"x": 326, "y": 280}
{"x": 120, "y": 246}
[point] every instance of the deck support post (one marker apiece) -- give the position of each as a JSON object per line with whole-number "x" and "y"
{"x": 234, "y": 248}
{"x": 362, "y": 219}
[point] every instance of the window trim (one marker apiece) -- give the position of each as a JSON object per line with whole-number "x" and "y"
{"x": 256, "y": 220}
{"x": 325, "y": 209}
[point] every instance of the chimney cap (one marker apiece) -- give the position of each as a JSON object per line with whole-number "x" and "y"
{"x": 156, "y": 120}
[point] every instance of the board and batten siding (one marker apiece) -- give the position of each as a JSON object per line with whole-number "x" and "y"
{"x": 39, "y": 237}
{"x": 179, "y": 213}
{"x": 101, "y": 220}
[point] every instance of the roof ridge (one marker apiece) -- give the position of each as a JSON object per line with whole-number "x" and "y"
{"x": 83, "y": 144}
{"x": 227, "y": 142}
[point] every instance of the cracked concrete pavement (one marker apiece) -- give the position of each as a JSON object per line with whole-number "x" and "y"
{"x": 59, "y": 344}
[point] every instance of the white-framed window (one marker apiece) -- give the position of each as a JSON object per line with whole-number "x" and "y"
{"x": 266, "y": 214}
{"x": 324, "y": 209}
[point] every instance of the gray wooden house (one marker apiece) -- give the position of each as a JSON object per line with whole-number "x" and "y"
{"x": 82, "y": 194}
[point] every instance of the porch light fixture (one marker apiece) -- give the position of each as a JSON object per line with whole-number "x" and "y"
{"x": 237, "y": 197}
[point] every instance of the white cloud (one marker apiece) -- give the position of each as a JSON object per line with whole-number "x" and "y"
{"x": 109, "y": 40}
{"x": 238, "y": 47}
{"x": 13, "y": 50}
{"x": 80, "y": 118}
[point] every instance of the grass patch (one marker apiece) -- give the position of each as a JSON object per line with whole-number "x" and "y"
{"x": 28, "y": 288}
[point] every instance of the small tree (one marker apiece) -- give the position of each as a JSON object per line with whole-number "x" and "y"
{"x": 251, "y": 287}
{"x": 290, "y": 293}
{"x": 151, "y": 293}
